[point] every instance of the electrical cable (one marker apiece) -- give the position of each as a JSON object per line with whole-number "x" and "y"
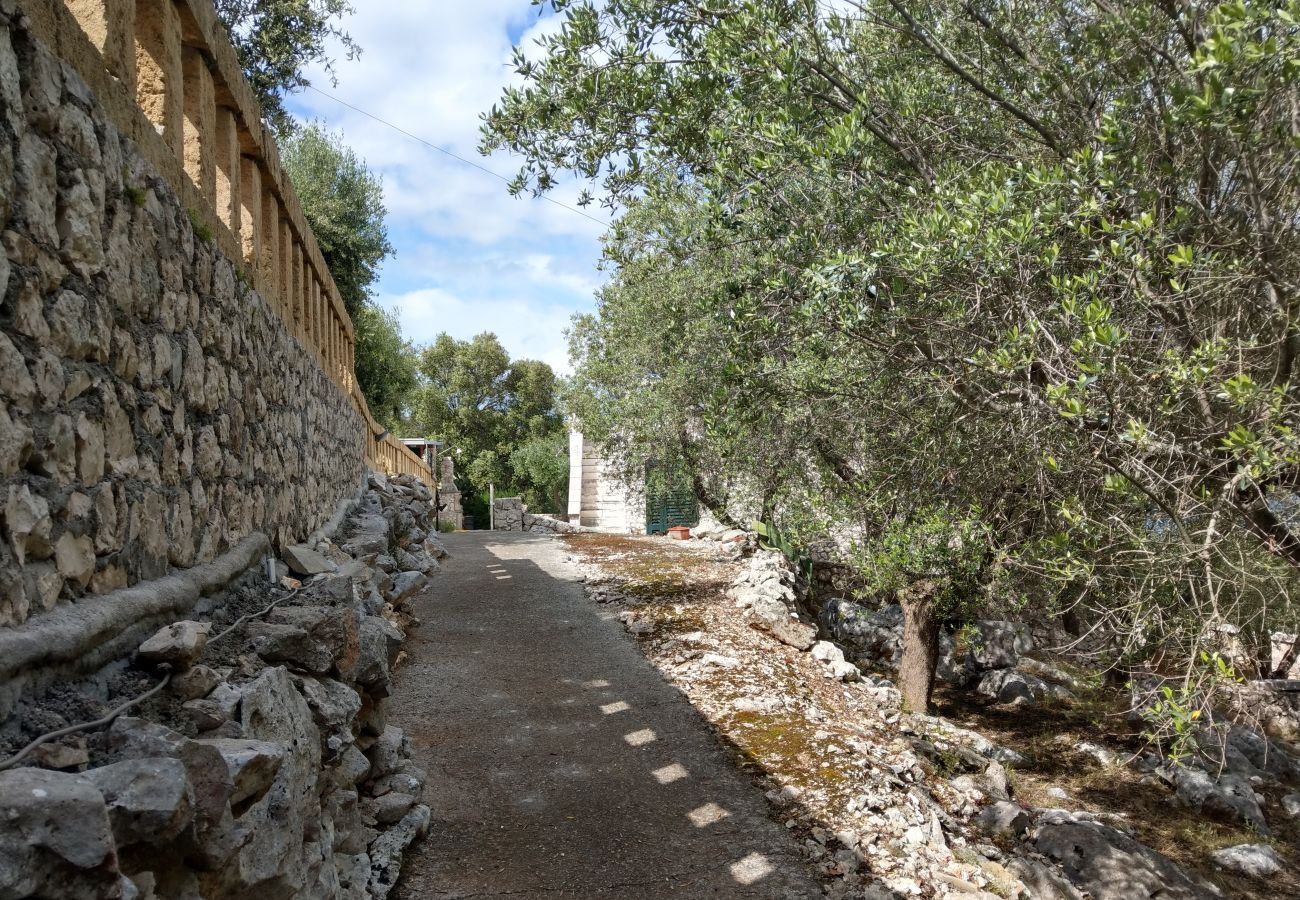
{"x": 433, "y": 146}
{"x": 108, "y": 719}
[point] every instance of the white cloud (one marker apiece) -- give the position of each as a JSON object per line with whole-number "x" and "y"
{"x": 468, "y": 256}
{"x": 528, "y": 329}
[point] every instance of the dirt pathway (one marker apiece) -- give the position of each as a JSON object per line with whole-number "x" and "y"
{"x": 560, "y": 763}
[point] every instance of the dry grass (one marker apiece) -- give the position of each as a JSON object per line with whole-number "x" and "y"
{"x": 1048, "y": 736}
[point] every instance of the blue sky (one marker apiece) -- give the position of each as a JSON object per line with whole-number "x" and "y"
{"x": 469, "y": 258}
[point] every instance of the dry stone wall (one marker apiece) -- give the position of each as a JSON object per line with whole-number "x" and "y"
{"x": 154, "y": 408}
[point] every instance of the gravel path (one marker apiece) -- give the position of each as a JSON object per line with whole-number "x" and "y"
{"x": 560, "y": 763}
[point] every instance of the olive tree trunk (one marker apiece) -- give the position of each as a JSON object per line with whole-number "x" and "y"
{"x": 920, "y": 645}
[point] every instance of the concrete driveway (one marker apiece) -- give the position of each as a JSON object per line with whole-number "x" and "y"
{"x": 560, "y": 763}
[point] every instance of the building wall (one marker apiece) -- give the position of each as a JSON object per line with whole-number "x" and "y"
{"x": 604, "y": 500}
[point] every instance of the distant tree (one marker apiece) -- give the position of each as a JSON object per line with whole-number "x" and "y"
{"x": 385, "y": 364}
{"x": 344, "y": 205}
{"x": 501, "y": 413}
{"x": 276, "y": 40}
{"x": 541, "y": 464}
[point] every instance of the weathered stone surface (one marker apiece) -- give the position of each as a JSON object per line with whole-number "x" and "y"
{"x": 303, "y": 560}
{"x": 277, "y": 848}
{"x": 251, "y": 764}
{"x": 56, "y": 842}
{"x": 381, "y": 641}
{"x": 178, "y": 644}
{"x": 148, "y": 799}
{"x": 999, "y": 644}
{"x": 774, "y": 618}
{"x": 1003, "y": 817}
{"x": 1009, "y": 686}
{"x": 334, "y": 707}
{"x": 194, "y": 682}
{"x": 338, "y": 630}
{"x": 387, "y": 849}
{"x": 1229, "y": 796}
{"x": 28, "y": 523}
{"x": 277, "y": 643}
{"x": 388, "y": 753}
{"x": 404, "y": 585}
{"x": 391, "y": 807}
{"x": 1110, "y": 865}
{"x": 210, "y": 786}
{"x": 370, "y": 537}
{"x": 1256, "y": 860}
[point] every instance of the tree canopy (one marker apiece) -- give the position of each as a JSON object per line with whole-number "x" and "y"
{"x": 277, "y": 40}
{"x": 343, "y": 202}
{"x": 1026, "y": 269}
{"x": 501, "y": 414}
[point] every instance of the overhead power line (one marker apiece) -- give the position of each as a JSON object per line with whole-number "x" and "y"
{"x": 433, "y": 146}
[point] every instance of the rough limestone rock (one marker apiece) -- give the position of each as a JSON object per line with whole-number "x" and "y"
{"x": 369, "y": 539}
{"x": 1010, "y": 685}
{"x": 278, "y": 854}
{"x": 1110, "y": 865}
{"x": 177, "y": 645}
{"x": 1228, "y": 795}
{"x": 381, "y": 641}
{"x": 194, "y": 682}
{"x": 388, "y": 753}
{"x": 56, "y": 842}
{"x": 1003, "y": 817}
{"x": 826, "y": 652}
{"x": 1256, "y": 860}
{"x": 205, "y": 770}
{"x": 148, "y": 799}
{"x": 303, "y": 560}
{"x": 387, "y": 849}
{"x": 774, "y": 617}
{"x": 998, "y": 644}
{"x": 874, "y": 636}
{"x": 404, "y": 585}
{"x": 289, "y": 644}
{"x": 252, "y": 765}
{"x": 338, "y": 630}
{"x": 391, "y": 807}
{"x": 334, "y": 707}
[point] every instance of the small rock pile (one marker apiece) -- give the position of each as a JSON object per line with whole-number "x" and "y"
{"x": 266, "y": 767}
{"x": 542, "y": 524}
{"x": 765, "y": 589}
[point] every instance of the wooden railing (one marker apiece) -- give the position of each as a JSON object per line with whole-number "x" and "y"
{"x": 166, "y": 75}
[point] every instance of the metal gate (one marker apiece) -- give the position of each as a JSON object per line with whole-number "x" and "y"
{"x": 669, "y": 501}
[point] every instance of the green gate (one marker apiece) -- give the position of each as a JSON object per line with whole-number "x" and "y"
{"x": 669, "y": 501}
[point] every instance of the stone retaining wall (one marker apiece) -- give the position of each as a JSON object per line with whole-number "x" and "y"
{"x": 265, "y": 767}
{"x": 154, "y": 407}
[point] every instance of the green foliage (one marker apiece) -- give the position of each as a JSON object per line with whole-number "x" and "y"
{"x": 879, "y": 259}
{"x": 201, "y": 229}
{"x": 946, "y": 547}
{"x": 136, "y": 194}
{"x": 501, "y": 414}
{"x": 277, "y": 41}
{"x": 344, "y": 204}
{"x": 1178, "y": 717}
{"x": 541, "y": 466}
{"x": 385, "y": 364}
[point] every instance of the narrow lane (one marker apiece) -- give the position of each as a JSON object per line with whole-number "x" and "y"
{"x": 560, "y": 763}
